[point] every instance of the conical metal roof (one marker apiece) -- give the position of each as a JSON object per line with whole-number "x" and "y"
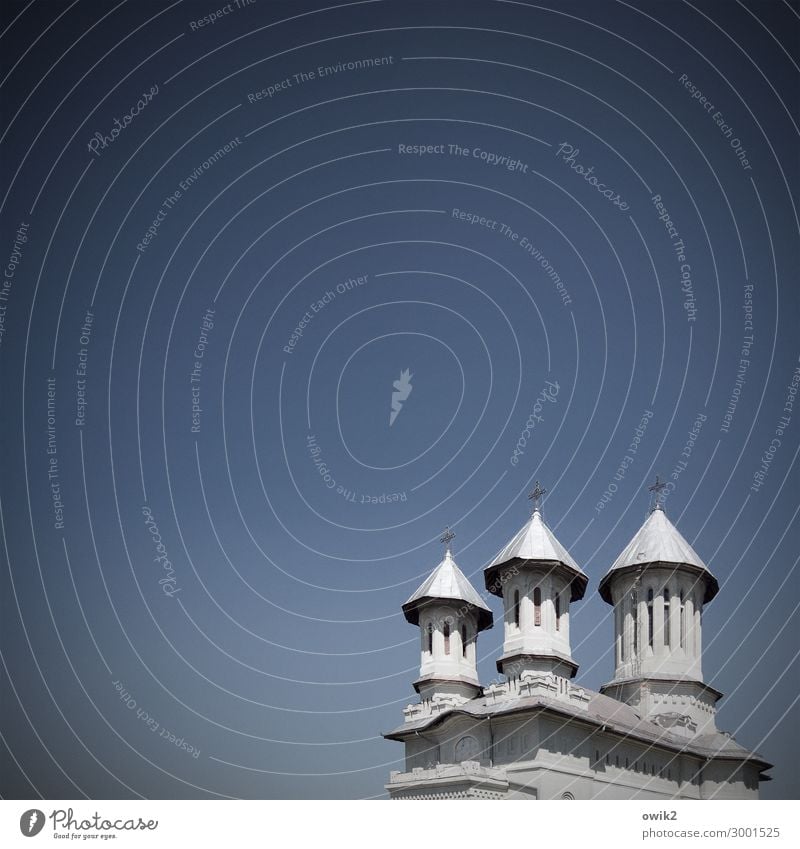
{"x": 535, "y": 541}
{"x": 448, "y": 583}
{"x": 658, "y": 541}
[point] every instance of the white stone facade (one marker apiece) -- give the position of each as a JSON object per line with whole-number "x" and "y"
{"x": 649, "y": 734}
{"x": 536, "y": 620}
{"x": 657, "y": 623}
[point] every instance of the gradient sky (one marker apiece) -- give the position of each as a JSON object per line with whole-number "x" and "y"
{"x": 267, "y": 655}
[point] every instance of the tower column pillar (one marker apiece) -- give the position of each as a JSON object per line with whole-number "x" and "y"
{"x": 535, "y": 565}
{"x": 662, "y": 585}
{"x": 450, "y": 614}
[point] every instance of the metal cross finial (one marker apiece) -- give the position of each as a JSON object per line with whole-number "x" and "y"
{"x": 447, "y": 537}
{"x": 656, "y": 488}
{"x": 535, "y": 495}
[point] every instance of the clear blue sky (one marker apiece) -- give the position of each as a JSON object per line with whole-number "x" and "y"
{"x": 603, "y": 238}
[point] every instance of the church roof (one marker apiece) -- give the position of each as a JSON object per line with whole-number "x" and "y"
{"x": 535, "y": 541}
{"x": 612, "y": 716}
{"x": 721, "y": 743}
{"x": 448, "y": 582}
{"x": 658, "y": 541}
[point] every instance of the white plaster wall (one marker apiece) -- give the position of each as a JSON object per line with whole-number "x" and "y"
{"x": 553, "y": 632}
{"x": 675, "y": 651}
{"x": 544, "y": 757}
{"x": 438, "y": 663}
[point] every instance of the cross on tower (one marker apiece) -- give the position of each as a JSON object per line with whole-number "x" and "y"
{"x": 656, "y": 488}
{"x": 535, "y": 496}
{"x": 447, "y": 538}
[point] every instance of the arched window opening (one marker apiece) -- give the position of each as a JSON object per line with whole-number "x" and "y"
{"x": 650, "y": 618}
{"x": 537, "y": 606}
{"x": 558, "y": 612}
{"x": 666, "y": 616}
{"x": 635, "y": 618}
{"x": 516, "y": 608}
{"x": 463, "y": 641}
{"x": 446, "y": 631}
{"x": 430, "y": 638}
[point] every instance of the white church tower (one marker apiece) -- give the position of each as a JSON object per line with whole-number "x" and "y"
{"x": 658, "y": 586}
{"x": 450, "y": 614}
{"x": 537, "y": 579}
{"x": 649, "y": 734}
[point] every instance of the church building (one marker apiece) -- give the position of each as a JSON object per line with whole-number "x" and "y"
{"x": 534, "y": 733}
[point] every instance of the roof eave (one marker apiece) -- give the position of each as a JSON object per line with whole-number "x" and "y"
{"x": 401, "y": 734}
{"x": 578, "y": 580}
{"x": 711, "y": 584}
{"x": 411, "y": 610}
